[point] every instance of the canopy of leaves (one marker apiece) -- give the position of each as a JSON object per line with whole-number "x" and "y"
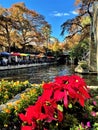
{"x": 81, "y": 23}
{"x": 20, "y": 26}
{"x": 79, "y": 50}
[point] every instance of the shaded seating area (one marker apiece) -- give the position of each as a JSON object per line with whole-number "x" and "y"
{"x": 4, "y": 58}
{"x": 15, "y": 58}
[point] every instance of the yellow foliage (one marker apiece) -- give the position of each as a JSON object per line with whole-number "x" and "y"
{"x": 85, "y": 20}
{"x": 55, "y": 46}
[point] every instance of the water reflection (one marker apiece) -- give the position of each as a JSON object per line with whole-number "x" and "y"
{"x": 91, "y": 79}
{"x": 46, "y": 73}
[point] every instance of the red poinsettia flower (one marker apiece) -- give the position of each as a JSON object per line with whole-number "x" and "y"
{"x": 62, "y": 79}
{"x": 26, "y": 128}
{"x": 60, "y": 91}
{"x": 47, "y": 110}
{"x": 22, "y": 117}
{"x": 58, "y": 95}
{"x": 47, "y": 93}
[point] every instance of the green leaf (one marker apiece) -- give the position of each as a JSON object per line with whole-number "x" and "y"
{"x": 60, "y": 108}
{"x": 70, "y": 105}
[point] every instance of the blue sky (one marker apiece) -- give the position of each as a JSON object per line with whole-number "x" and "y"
{"x": 55, "y": 11}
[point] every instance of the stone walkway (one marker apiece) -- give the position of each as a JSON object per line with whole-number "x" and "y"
{"x": 94, "y": 87}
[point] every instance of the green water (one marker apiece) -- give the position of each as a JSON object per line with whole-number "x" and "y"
{"x": 45, "y": 73}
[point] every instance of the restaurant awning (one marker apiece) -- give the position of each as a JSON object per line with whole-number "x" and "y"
{"x": 5, "y": 53}
{"x": 15, "y": 54}
{"x": 23, "y": 54}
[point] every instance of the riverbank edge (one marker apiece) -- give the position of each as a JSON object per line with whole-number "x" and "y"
{"x": 12, "y": 67}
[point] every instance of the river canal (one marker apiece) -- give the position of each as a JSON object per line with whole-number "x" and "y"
{"x": 45, "y": 73}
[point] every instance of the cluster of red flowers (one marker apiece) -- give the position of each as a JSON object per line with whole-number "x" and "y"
{"x": 55, "y": 95}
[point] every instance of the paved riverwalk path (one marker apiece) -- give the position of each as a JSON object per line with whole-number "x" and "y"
{"x": 93, "y": 87}
{"x": 11, "y": 67}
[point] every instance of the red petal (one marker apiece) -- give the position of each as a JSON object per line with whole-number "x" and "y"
{"x": 22, "y": 117}
{"x": 58, "y": 95}
{"x": 60, "y": 116}
{"x": 65, "y": 99}
{"x": 84, "y": 92}
{"x": 26, "y": 128}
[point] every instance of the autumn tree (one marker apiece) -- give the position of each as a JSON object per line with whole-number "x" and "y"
{"x": 46, "y": 32}
{"x": 23, "y": 17}
{"x": 56, "y": 48}
{"x": 6, "y": 26}
{"x": 77, "y": 24}
{"x": 82, "y": 24}
{"x": 20, "y": 26}
{"x": 70, "y": 42}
